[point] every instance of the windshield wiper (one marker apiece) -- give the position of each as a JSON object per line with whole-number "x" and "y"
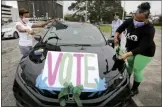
{"x": 53, "y": 37}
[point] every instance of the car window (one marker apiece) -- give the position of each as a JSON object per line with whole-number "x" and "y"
{"x": 76, "y": 34}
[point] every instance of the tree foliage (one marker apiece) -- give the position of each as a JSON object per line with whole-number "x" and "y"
{"x": 97, "y": 9}
{"x": 160, "y": 18}
{"x": 71, "y": 17}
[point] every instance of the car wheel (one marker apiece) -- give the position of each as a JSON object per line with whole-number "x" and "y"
{"x": 16, "y": 35}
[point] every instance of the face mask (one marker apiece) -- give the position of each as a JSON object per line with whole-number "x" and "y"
{"x": 26, "y": 20}
{"x": 116, "y": 17}
{"x": 138, "y": 24}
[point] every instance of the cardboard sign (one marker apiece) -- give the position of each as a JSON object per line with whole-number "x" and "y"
{"x": 70, "y": 67}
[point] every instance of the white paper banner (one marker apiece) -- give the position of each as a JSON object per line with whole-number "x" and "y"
{"x": 70, "y": 67}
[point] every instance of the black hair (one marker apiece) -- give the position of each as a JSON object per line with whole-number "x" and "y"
{"x": 22, "y": 11}
{"x": 144, "y": 8}
{"x": 116, "y": 14}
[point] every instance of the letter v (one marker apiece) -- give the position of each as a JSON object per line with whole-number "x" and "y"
{"x": 52, "y": 76}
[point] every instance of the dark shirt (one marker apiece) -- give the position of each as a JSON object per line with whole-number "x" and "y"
{"x": 139, "y": 40}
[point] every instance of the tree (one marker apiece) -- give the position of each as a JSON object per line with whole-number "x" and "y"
{"x": 160, "y": 19}
{"x": 98, "y": 9}
{"x": 71, "y": 17}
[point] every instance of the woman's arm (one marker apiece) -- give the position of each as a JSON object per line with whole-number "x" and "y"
{"x": 120, "y": 29}
{"x": 124, "y": 56}
{"x": 35, "y": 25}
{"x": 112, "y": 28}
{"x": 144, "y": 44}
{"x": 22, "y": 29}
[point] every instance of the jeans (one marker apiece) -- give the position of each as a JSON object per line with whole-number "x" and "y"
{"x": 25, "y": 50}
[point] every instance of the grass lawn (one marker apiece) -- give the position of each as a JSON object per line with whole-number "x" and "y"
{"x": 105, "y": 28}
{"x": 158, "y": 27}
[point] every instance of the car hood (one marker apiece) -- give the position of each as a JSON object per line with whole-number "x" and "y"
{"x": 6, "y": 29}
{"x": 32, "y": 70}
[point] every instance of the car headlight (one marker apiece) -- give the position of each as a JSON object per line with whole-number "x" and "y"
{"x": 23, "y": 76}
{"x": 19, "y": 70}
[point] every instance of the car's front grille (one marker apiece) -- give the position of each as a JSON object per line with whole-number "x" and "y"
{"x": 54, "y": 94}
{"x": 83, "y": 96}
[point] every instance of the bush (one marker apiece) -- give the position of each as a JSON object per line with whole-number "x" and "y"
{"x": 157, "y": 24}
{"x": 160, "y": 19}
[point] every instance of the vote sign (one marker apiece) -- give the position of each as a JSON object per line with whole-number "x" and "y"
{"x": 70, "y": 67}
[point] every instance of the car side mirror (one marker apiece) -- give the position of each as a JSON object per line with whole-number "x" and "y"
{"x": 38, "y": 38}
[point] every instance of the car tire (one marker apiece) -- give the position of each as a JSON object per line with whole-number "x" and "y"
{"x": 15, "y": 35}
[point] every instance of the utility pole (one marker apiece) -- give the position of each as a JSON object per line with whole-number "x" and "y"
{"x": 123, "y": 11}
{"x": 53, "y": 9}
{"x": 33, "y": 10}
{"x": 86, "y": 12}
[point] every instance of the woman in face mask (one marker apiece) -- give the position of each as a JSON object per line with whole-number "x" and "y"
{"x": 140, "y": 46}
{"x": 24, "y": 28}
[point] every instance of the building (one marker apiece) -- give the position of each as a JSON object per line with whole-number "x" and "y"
{"x": 38, "y": 8}
{"x": 9, "y": 13}
{"x": 6, "y": 12}
{"x": 15, "y": 14}
{"x": 4, "y": 2}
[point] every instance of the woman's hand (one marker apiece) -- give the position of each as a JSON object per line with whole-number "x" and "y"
{"x": 30, "y": 31}
{"x": 52, "y": 20}
{"x": 126, "y": 55}
{"x": 35, "y": 25}
{"x": 116, "y": 42}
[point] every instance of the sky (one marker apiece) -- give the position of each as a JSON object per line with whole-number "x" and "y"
{"x": 129, "y": 6}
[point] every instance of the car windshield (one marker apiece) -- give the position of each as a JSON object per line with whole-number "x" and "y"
{"x": 75, "y": 33}
{"x": 9, "y": 25}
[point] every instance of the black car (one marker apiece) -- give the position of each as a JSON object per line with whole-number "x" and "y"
{"x": 63, "y": 37}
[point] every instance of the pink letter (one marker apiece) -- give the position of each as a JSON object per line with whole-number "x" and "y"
{"x": 52, "y": 77}
{"x": 78, "y": 56}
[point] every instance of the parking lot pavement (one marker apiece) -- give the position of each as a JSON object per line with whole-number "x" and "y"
{"x": 10, "y": 59}
{"x": 150, "y": 89}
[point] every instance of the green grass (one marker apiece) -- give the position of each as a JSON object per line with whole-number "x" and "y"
{"x": 105, "y": 28}
{"x": 158, "y": 27}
